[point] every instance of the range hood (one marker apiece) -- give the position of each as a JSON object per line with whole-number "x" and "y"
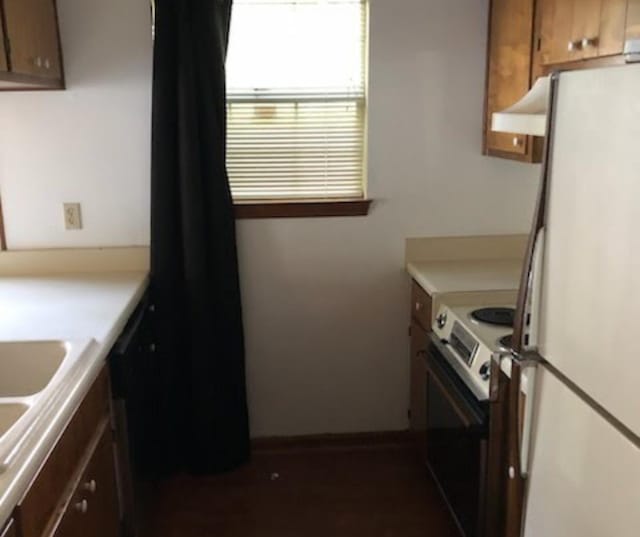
{"x": 528, "y": 115}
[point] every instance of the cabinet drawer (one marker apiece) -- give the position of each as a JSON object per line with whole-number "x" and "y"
{"x": 420, "y": 306}
{"x": 92, "y": 508}
{"x": 42, "y": 499}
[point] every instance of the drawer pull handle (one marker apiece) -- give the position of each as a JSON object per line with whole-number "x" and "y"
{"x": 418, "y": 306}
{"x": 90, "y": 486}
{"x": 82, "y": 507}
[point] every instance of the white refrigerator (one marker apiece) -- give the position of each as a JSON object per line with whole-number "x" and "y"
{"x": 584, "y": 450}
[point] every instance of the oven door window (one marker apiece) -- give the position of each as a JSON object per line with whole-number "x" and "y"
{"x": 456, "y": 448}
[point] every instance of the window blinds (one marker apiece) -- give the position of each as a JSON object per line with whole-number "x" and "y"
{"x": 296, "y": 99}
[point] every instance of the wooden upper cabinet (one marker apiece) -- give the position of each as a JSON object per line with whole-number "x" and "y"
{"x": 510, "y": 54}
{"x": 33, "y": 54}
{"x": 574, "y": 30}
{"x": 613, "y": 19}
{"x": 556, "y": 30}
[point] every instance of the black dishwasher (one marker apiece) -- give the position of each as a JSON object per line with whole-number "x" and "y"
{"x": 130, "y": 357}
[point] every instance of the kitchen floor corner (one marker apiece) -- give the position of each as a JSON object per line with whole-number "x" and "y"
{"x": 379, "y": 490}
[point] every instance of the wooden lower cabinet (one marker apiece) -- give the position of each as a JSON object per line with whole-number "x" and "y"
{"x": 74, "y": 494}
{"x": 9, "y": 529}
{"x": 93, "y": 507}
{"x": 418, "y": 415}
{"x": 421, "y": 311}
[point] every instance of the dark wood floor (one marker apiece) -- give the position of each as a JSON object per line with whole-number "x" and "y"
{"x": 379, "y": 490}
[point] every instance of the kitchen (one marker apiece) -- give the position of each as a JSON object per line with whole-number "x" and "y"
{"x": 437, "y": 200}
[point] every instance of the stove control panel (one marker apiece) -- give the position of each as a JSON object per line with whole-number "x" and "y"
{"x": 464, "y": 343}
{"x": 469, "y": 343}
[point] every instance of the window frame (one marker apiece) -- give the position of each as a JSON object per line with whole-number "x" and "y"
{"x": 326, "y": 207}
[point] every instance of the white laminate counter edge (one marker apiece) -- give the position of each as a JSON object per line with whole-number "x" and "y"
{"x": 15, "y": 481}
{"x": 421, "y": 279}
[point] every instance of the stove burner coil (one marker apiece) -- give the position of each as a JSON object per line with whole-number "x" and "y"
{"x": 494, "y": 316}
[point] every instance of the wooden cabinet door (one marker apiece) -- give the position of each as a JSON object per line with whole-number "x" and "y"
{"x": 93, "y": 508}
{"x": 420, "y": 305}
{"x": 556, "y": 31}
{"x": 509, "y": 68}
{"x": 585, "y": 29}
{"x": 3, "y": 51}
{"x": 9, "y": 529}
{"x": 613, "y": 17}
{"x": 575, "y": 30}
{"x": 32, "y": 29}
{"x": 418, "y": 402}
{"x": 98, "y": 487}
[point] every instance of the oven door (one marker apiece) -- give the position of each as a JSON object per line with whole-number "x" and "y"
{"x": 457, "y": 430}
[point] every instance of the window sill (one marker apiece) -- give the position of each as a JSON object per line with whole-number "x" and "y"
{"x": 301, "y": 208}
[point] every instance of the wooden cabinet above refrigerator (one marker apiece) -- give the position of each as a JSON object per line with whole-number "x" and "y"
{"x": 531, "y": 38}
{"x": 575, "y": 30}
{"x": 30, "y": 54}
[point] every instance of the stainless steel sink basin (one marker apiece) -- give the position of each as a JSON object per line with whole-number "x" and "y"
{"x": 27, "y": 367}
{"x": 10, "y": 413}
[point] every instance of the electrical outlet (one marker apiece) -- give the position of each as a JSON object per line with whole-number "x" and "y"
{"x": 72, "y": 216}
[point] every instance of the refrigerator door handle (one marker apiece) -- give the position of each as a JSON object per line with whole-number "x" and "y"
{"x": 529, "y": 363}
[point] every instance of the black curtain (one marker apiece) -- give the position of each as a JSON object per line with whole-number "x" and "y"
{"x": 197, "y": 411}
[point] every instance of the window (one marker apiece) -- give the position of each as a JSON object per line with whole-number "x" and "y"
{"x": 296, "y": 99}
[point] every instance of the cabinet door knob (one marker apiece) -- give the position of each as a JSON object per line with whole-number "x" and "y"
{"x": 47, "y": 64}
{"x": 517, "y": 141}
{"x": 90, "y": 486}
{"x": 574, "y": 45}
{"x": 418, "y": 306}
{"x": 38, "y": 61}
{"x": 82, "y": 507}
{"x": 589, "y": 42}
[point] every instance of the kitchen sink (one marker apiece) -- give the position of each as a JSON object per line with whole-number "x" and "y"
{"x": 10, "y": 413}
{"x": 27, "y": 367}
{"x": 35, "y": 377}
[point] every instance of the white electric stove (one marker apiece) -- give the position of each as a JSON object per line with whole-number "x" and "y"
{"x": 471, "y": 334}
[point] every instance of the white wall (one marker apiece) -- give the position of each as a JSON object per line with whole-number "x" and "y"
{"x": 325, "y": 300}
{"x": 88, "y": 144}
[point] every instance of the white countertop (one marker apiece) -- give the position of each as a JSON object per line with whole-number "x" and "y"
{"x": 67, "y": 307}
{"x": 466, "y": 275}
